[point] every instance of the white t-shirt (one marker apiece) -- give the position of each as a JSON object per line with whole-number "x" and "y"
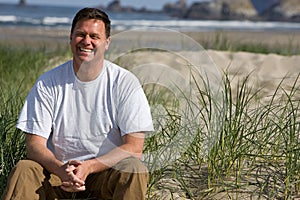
{"x": 83, "y": 120}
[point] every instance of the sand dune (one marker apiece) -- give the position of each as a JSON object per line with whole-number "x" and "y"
{"x": 265, "y": 71}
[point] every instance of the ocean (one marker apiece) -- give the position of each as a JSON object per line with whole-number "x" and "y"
{"x": 53, "y": 16}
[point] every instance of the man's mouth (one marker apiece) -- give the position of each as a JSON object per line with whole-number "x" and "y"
{"x": 86, "y": 50}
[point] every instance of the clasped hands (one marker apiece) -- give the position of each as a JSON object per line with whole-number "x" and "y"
{"x": 73, "y": 176}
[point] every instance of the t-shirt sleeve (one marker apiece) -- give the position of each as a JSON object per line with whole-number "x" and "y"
{"x": 36, "y": 115}
{"x": 133, "y": 109}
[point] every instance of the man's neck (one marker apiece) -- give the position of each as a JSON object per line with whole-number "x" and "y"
{"x": 88, "y": 71}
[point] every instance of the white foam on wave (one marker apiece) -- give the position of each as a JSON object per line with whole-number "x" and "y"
{"x": 8, "y": 18}
{"x": 198, "y": 25}
{"x": 175, "y": 24}
{"x": 56, "y": 20}
{"x": 47, "y": 21}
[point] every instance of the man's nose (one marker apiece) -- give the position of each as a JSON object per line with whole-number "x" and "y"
{"x": 87, "y": 39}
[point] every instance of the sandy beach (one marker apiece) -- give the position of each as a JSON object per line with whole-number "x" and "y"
{"x": 61, "y": 35}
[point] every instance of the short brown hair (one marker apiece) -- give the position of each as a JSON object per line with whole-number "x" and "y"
{"x": 92, "y": 13}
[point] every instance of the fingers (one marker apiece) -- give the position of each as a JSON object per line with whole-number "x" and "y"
{"x": 72, "y": 183}
{"x": 71, "y": 187}
{"x": 74, "y": 162}
{"x": 70, "y": 168}
{"x": 75, "y": 179}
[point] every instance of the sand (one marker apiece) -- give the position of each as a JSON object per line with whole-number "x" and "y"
{"x": 61, "y": 35}
{"x": 264, "y": 71}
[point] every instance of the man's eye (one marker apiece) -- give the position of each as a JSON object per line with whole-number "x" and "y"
{"x": 95, "y": 37}
{"x": 80, "y": 35}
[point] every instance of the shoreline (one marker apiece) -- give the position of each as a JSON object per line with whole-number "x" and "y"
{"x": 54, "y": 36}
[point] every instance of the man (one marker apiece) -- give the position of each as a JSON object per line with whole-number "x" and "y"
{"x": 85, "y": 122}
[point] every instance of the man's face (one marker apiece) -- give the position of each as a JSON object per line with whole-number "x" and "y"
{"x": 88, "y": 41}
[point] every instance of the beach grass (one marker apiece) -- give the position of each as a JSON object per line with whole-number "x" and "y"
{"x": 20, "y": 66}
{"x": 254, "y": 155}
{"x": 285, "y": 43}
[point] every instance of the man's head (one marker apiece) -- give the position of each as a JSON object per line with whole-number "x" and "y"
{"x": 92, "y": 13}
{"x": 89, "y": 39}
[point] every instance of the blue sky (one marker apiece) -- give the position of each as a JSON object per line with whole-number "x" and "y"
{"x": 151, "y": 4}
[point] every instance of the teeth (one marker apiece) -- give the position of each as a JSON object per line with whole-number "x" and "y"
{"x": 86, "y": 50}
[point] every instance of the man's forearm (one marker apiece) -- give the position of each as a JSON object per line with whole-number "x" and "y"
{"x": 37, "y": 151}
{"x": 109, "y": 160}
{"x": 133, "y": 146}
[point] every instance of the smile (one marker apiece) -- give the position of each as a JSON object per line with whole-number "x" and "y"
{"x": 86, "y": 50}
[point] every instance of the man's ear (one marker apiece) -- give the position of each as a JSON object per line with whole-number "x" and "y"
{"x": 107, "y": 43}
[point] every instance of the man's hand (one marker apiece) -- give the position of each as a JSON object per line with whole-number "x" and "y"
{"x": 70, "y": 181}
{"x": 36, "y": 148}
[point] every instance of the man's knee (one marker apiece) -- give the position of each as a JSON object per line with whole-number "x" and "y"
{"x": 132, "y": 179}
{"x": 24, "y": 180}
{"x": 131, "y": 165}
{"x": 25, "y": 165}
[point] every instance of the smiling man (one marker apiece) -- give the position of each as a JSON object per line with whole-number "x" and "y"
{"x": 85, "y": 122}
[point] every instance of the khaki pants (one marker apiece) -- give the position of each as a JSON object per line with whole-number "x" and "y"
{"x": 30, "y": 181}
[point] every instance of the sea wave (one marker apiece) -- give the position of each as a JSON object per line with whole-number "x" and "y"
{"x": 175, "y": 24}
{"x": 29, "y": 21}
{"x": 56, "y": 20}
{"x": 205, "y": 25}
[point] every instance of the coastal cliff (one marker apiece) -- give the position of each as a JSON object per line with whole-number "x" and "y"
{"x": 254, "y": 10}
{"x": 271, "y": 10}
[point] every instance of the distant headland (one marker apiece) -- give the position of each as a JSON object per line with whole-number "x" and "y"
{"x": 254, "y": 10}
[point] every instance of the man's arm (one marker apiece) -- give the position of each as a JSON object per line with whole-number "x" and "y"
{"x": 133, "y": 145}
{"x": 36, "y": 148}
{"x": 74, "y": 173}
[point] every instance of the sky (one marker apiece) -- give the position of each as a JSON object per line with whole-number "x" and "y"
{"x": 150, "y": 4}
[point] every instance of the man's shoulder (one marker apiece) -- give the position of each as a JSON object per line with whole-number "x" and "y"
{"x": 123, "y": 79}
{"x": 57, "y": 72}
{"x": 58, "y": 76}
{"x": 114, "y": 67}
{"x": 116, "y": 70}
{"x": 64, "y": 67}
